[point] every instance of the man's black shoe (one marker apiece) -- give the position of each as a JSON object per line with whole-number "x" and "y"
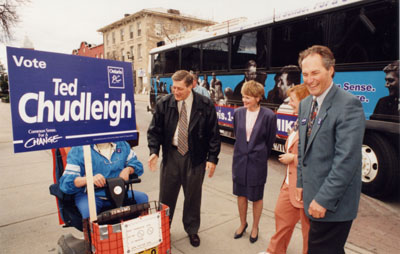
{"x": 194, "y": 240}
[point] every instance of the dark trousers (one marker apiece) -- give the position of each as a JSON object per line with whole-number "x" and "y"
{"x": 328, "y": 237}
{"x": 178, "y": 172}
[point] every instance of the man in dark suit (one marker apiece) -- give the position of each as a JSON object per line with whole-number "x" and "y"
{"x": 185, "y": 125}
{"x": 388, "y": 107}
{"x": 329, "y": 167}
{"x": 250, "y": 74}
{"x": 288, "y": 77}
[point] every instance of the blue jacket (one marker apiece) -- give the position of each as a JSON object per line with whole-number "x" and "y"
{"x": 250, "y": 160}
{"x": 122, "y": 157}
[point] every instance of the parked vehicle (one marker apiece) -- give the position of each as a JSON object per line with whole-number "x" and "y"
{"x": 363, "y": 35}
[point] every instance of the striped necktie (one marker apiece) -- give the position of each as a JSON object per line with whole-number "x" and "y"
{"x": 311, "y": 117}
{"x": 183, "y": 131}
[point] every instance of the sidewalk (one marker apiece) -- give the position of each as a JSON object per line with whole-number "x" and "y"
{"x": 28, "y": 213}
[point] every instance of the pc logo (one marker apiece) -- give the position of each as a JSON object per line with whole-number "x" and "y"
{"x": 115, "y": 77}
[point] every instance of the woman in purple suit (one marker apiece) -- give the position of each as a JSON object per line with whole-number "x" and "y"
{"x": 255, "y": 131}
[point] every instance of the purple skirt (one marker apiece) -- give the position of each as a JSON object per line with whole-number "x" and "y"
{"x": 252, "y": 193}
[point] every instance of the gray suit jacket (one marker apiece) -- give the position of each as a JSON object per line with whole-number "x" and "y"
{"x": 329, "y": 168}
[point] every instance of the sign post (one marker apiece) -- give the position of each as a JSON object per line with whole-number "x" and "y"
{"x": 60, "y": 100}
{"x": 89, "y": 182}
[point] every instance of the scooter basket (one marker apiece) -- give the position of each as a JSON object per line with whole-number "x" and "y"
{"x": 107, "y": 232}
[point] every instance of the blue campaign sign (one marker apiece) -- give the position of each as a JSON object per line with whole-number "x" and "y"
{"x": 285, "y": 123}
{"x": 225, "y": 115}
{"x": 60, "y": 100}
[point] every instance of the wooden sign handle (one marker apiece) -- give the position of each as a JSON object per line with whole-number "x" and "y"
{"x": 89, "y": 182}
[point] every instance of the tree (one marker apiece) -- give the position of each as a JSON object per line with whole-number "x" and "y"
{"x": 8, "y": 17}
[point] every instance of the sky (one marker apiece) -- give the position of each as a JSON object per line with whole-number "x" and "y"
{"x": 61, "y": 25}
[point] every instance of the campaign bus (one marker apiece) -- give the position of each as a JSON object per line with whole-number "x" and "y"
{"x": 364, "y": 37}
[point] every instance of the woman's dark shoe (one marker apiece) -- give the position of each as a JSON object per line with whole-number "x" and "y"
{"x": 254, "y": 239}
{"x": 237, "y": 236}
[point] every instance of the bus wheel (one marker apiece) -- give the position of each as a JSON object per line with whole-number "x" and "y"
{"x": 379, "y": 165}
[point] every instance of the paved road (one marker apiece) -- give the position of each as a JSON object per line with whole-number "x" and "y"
{"x": 28, "y": 218}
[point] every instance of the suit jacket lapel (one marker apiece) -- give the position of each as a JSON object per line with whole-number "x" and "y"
{"x": 174, "y": 117}
{"x": 306, "y": 107}
{"x": 323, "y": 112}
{"x": 194, "y": 114}
{"x": 242, "y": 115}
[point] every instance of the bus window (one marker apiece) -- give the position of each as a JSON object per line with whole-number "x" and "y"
{"x": 290, "y": 39}
{"x": 171, "y": 61}
{"x": 215, "y": 55}
{"x": 249, "y": 46}
{"x": 157, "y": 64}
{"x": 357, "y": 32}
{"x": 191, "y": 57}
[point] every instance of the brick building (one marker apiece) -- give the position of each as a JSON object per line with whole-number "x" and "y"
{"x": 131, "y": 38}
{"x": 89, "y": 50}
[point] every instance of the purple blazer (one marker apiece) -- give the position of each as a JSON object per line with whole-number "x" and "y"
{"x": 250, "y": 160}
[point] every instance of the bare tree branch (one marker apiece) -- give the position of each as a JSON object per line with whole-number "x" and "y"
{"x": 8, "y": 17}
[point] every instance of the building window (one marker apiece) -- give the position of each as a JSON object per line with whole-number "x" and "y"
{"x": 139, "y": 51}
{"x": 113, "y": 55}
{"x": 131, "y": 31}
{"x": 122, "y": 34}
{"x": 122, "y": 55}
{"x": 108, "y": 55}
{"x": 158, "y": 29}
{"x": 139, "y": 29}
{"x": 113, "y": 37}
{"x": 108, "y": 39}
{"x": 182, "y": 28}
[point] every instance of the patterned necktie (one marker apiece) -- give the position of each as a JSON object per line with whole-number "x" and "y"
{"x": 183, "y": 131}
{"x": 311, "y": 117}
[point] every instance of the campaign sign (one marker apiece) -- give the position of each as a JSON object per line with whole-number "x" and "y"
{"x": 60, "y": 100}
{"x": 225, "y": 115}
{"x": 285, "y": 122}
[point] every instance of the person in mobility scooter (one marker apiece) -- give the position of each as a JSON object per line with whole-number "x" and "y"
{"x": 109, "y": 160}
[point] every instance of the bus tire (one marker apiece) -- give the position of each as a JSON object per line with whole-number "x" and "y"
{"x": 379, "y": 165}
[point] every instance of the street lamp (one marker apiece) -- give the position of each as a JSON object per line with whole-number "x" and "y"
{"x": 131, "y": 57}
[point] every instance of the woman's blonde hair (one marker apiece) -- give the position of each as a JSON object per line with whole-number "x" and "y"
{"x": 253, "y": 88}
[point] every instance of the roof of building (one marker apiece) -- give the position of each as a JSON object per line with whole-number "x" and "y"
{"x": 169, "y": 13}
{"x": 88, "y": 45}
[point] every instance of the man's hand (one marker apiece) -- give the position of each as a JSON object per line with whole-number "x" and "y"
{"x": 99, "y": 180}
{"x": 299, "y": 194}
{"x": 211, "y": 167}
{"x": 124, "y": 174}
{"x": 153, "y": 162}
{"x": 316, "y": 210}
